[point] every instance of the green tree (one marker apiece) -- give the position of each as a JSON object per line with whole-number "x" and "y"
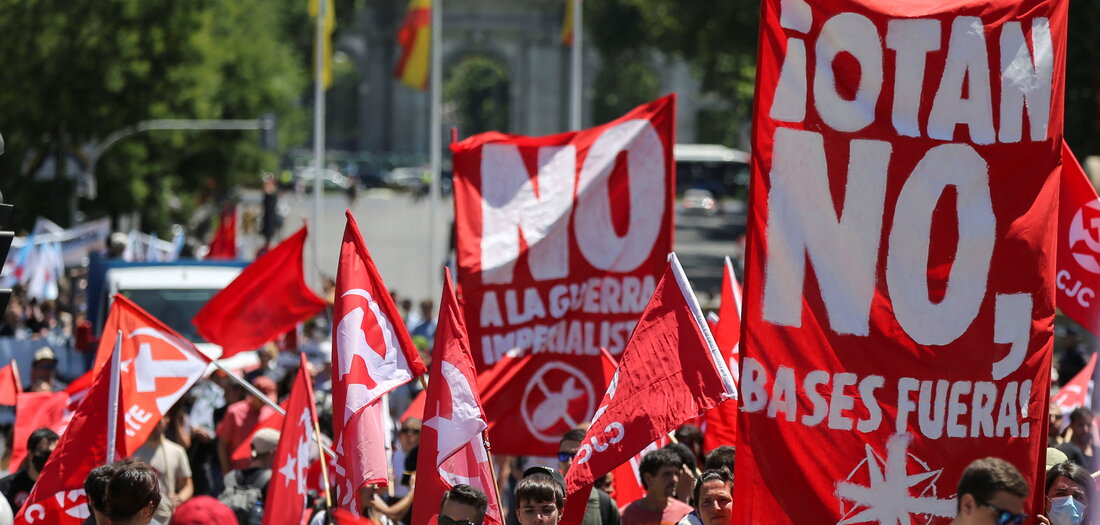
{"x": 478, "y": 87}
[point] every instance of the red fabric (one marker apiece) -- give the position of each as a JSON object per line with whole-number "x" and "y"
{"x": 268, "y": 298}
{"x": 10, "y": 386}
{"x": 1078, "y": 278}
{"x": 224, "y": 244}
{"x": 1075, "y": 393}
{"x": 286, "y": 494}
{"x": 202, "y": 510}
{"x": 158, "y": 366}
{"x": 238, "y": 425}
{"x": 372, "y": 354}
{"x": 35, "y": 410}
{"x": 671, "y": 371}
{"x": 721, "y": 421}
{"x": 343, "y": 517}
{"x": 272, "y": 419}
{"x": 452, "y": 449}
{"x": 560, "y": 239}
{"x": 900, "y": 270}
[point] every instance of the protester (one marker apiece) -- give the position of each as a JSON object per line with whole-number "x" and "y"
{"x": 1068, "y": 491}
{"x": 17, "y": 487}
{"x": 463, "y": 505}
{"x": 1079, "y": 445}
{"x": 132, "y": 494}
{"x": 540, "y": 497}
{"x": 408, "y": 438}
{"x": 239, "y": 421}
{"x": 721, "y": 457}
{"x": 991, "y": 491}
{"x": 203, "y": 510}
{"x": 426, "y": 328}
{"x": 712, "y": 498}
{"x": 601, "y": 509}
{"x": 44, "y": 372}
{"x": 246, "y": 489}
{"x": 95, "y": 488}
{"x": 688, "y": 471}
{"x": 660, "y": 472}
{"x": 170, "y": 462}
{"x": 1054, "y": 426}
{"x": 268, "y": 355}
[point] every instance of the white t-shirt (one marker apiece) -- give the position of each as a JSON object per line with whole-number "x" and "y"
{"x": 170, "y": 462}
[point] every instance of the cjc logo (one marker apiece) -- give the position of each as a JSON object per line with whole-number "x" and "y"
{"x": 1084, "y": 228}
{"x": 557, "y": 398}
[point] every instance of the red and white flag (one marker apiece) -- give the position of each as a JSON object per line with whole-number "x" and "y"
{"x": 244, "y": 449}
{"x": 372, "y": 354}
{"x": 452, "y": 440}
{"x": 267, "y": 299}
{"x": 286, "y": 493}
{"x": 1075, "y": 393}
{"x": 157, "y": 366}
{"x": 900, "y": 272}
{"x": 670, "y": 372}
{"x": 1078, "y": 277}
{"x": 10, "y": 385}
{"x": 721, "y": 421}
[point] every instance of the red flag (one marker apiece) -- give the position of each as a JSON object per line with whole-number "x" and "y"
{"x": 268, "y": 298}
{"x": 286, "y": 493}
{"x": 560, "y": 239}
{"x": 1075, "y": 393}
{"x": 157, "y": 367}
{"x": 452, "y": 440}
{"x": 10, "y": 385}
{"x": 35, "y": 410}
{"x": 900, "y": 265}
{"x": 372, "y": 354}
{"x": 721, "y": 421}
{"x": 671, "y": 371}
{"x": 224, "y": 244}
{"x": 1078, "y": 277}
{"x": 244, "y": 449}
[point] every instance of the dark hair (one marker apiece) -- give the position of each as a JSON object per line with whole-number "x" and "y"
{"x": 95, "y": 486}
{"x": 723, "y": 456}
{"x": 132, "y": 488}
{"x": 1073, "y": 472}
{"x": 986, "y": 477}
{"x": 575, "y": 434}
{"x": 721, "y": 474}
{"x": 468, "y": 495}
{"x": 538, "y": 488}
{"x": 653, "y": 462}
{"x": 688, "y": 432}
{"x": 40, "y": 435}
{"x": 687, "y": 457}
{"x": 1079, "y": 414}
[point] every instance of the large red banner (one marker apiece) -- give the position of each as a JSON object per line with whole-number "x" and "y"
{"x": 1078, "y": 277}
{"x": 899, "y": 292}
{"x": 560, "y": 242}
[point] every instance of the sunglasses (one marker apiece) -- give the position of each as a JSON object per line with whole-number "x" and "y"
{"x": 566, "y": 457}
{"x": 410, "y": 431}
{"x": 444, "y": 520}
{"x": 1005, "y": 517}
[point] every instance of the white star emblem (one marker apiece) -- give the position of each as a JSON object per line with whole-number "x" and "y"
{"x": 888, "y": 498}
{"x": 465, "y": 422}
{"x": 288, "y": 471}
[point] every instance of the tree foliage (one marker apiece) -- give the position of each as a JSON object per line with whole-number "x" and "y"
{"x": 477, "y": 86}
{"x": 74, "y": 71}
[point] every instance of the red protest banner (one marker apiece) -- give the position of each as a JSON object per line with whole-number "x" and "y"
{"x": 1078, "y": 277}
{"x": 899, "y": 292}
{"x": 561, "y": 239}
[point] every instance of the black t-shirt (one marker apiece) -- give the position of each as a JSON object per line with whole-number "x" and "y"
{"x": 16, "y": 488}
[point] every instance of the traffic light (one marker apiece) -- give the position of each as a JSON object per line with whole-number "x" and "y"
{"x": 6, "y": 236}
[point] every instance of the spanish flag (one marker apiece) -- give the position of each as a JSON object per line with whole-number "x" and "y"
{"x": 329, "y": 25}
{"x": 567, "y": 24}
{"x": 415, "y": 39}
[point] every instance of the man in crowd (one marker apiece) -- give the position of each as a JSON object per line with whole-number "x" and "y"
{"x": 245, "y": 487}
{"x": 991, "y": 491}
{"x": 660, "y": 471}
{"x": 169, "y": 460}
{"x": 17, "y": 487}
{"x": 601, "y": 509}
{"x": 463, "y": 505}
{"x": 133, "y": 494}
{"x": 95, "y": 487}
{"x": 540, "y": 496}
{"x": 240, "y": 420}
{"x": 44, "y": 372}
{"x": 1079, "y": 445}
{"x": 408, "y": 438}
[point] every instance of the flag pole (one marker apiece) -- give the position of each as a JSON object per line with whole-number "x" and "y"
{"x": 492, "y": 468}
{"x": 316, "y": 431}
{"x": 112, "y": 400}
{"x": 319, "y": 129}
{"x": 15, "y": 374}
{"x": 435, "y": 127}
{"x": 576, "y": 56}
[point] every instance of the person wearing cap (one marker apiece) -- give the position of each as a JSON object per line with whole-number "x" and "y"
{"x": 540, "y": 496}
{"x": 44, "y": 372}
{"x": 601, "y": 509}
{"x": 258, "y": 473}
{"x": 240, "y": 420}
{"x": 170, "y": 462}
{"x": 203, "y": 510}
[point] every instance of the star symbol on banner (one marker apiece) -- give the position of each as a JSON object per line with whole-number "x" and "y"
{"x": 288, "y": 471}
{"x": 465, "y": 422}
{"x": 888, "y": 497}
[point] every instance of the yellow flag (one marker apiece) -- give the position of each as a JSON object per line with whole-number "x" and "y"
{"x": 567, "y": 24}
{"x": 326, "y": 42}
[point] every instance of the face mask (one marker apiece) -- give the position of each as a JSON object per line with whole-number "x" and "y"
{"x": 38, "y": 459}
{"x": 1064, "y": 510}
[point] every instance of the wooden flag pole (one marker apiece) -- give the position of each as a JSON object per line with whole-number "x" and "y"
{"x": 492, "y": 468}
